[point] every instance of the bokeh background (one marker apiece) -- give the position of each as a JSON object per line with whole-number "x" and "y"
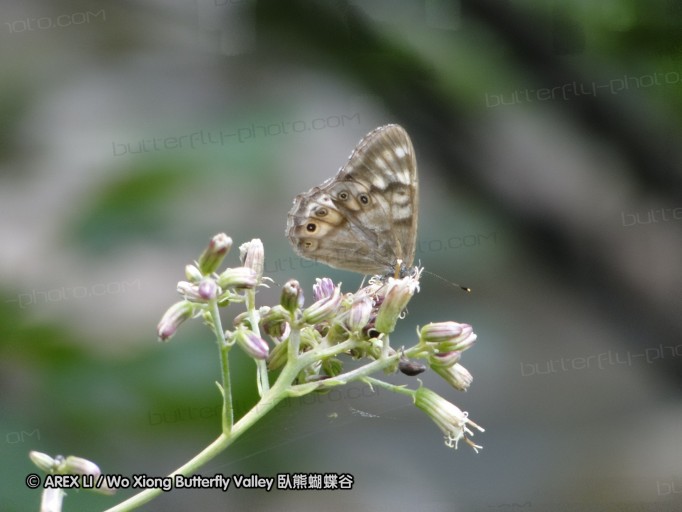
{"x": 548, "y": 139}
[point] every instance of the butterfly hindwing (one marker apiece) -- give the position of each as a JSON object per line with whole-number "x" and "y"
{"x": 365, "y": 218}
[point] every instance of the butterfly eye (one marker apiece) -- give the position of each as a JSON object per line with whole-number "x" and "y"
{"x": 322, "y": 212}
{"x": 364, "y": 198}
{"x": 311, "y": 227}
{"x": 343, "y": 196}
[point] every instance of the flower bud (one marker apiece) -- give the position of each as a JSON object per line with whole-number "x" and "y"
{"x": 463, "y": 342}
{"x": 242, "y": 318}
{"x": 43, "y": 461}
{"x": 208, "y": 289}
{"x": 456, "y": 375}
{"x": 213, "y": 255}
{"x": 310, "y": 339}
{"x": 253, "y": 345}
{"x": 252, "y": 255}
{"x": 278, "y": 355}
{"x": 173, "y": 318}
{"x": 80, "y": 466}
{"x": 398, "y": 294}
{"x": 449, "y": 418}
{"x": 190, "y": 291}
{"x": 323, "y": 288}
{"x": 292, "y": 295}
{"x": 274, "y": 321}
{"x": 192, "y": 273}
{"x": 448, "y": 336}
{"x": 444, "y": 359}
{"x": 239, "y": 277}
{"x": 332, "y": 366}
{"x": 359, "y": 314}
{"x": 437, "y": 332}
{"x": 324, "y": 308}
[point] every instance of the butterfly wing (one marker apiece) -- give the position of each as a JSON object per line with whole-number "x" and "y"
{"x": 365, "y": 218}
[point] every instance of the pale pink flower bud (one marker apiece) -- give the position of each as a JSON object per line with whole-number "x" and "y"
{"x": 213, "y": 255}
{"x": 398, "y": 294}
{"x": 448, "y": 336}
{"x": 450, "y": 419}
{"x": 324, "y": 308}
{"x": 445, "y": 359}
{"x": 252, "y": 255}
{"x": 292, "y": 296}
{"x": 173, "y": 318}
{"x": 192, "y": 273}
{"x": 323, "y": 288}
{"x": 252, "y": 344}
{"x": 208, "y": 289}
{"x": 456, "y": 375}
{"x": 239, "y": 277}
{"x": 359, "y": 314}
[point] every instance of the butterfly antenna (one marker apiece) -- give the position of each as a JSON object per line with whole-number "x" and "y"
{"x": 455, "y": 285}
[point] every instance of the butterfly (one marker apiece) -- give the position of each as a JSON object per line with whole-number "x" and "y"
{"x": 364, "y": 219}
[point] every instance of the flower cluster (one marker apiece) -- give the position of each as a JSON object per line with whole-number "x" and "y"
{"x": 310, "y": 340}
{"x": 306, "y": 353}
{"x": 365, "y": 318}
{"x": 204, "y": 286}
{"x": 368, "y": 317}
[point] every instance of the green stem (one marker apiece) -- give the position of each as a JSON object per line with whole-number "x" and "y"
{"x": 271, "y": 396}
{"x": 228, "y": 415}
{"x": 391, "y": 387}
{"x": 384, "y": 347}
{"x": 294, "y": 343}
{"x": 358, "y": 373}
{"x": 261, "y": 366}
{"x": 275, "y": 395}
{"x": 313, "y": 356}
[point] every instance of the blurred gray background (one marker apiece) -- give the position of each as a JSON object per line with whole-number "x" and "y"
{"x": 548, "y": 139}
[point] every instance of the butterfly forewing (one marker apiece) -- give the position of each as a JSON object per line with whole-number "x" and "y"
{"x": 363, "y": 219}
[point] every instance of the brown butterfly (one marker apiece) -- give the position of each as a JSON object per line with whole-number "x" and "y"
{"x": 363, "y": 219}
